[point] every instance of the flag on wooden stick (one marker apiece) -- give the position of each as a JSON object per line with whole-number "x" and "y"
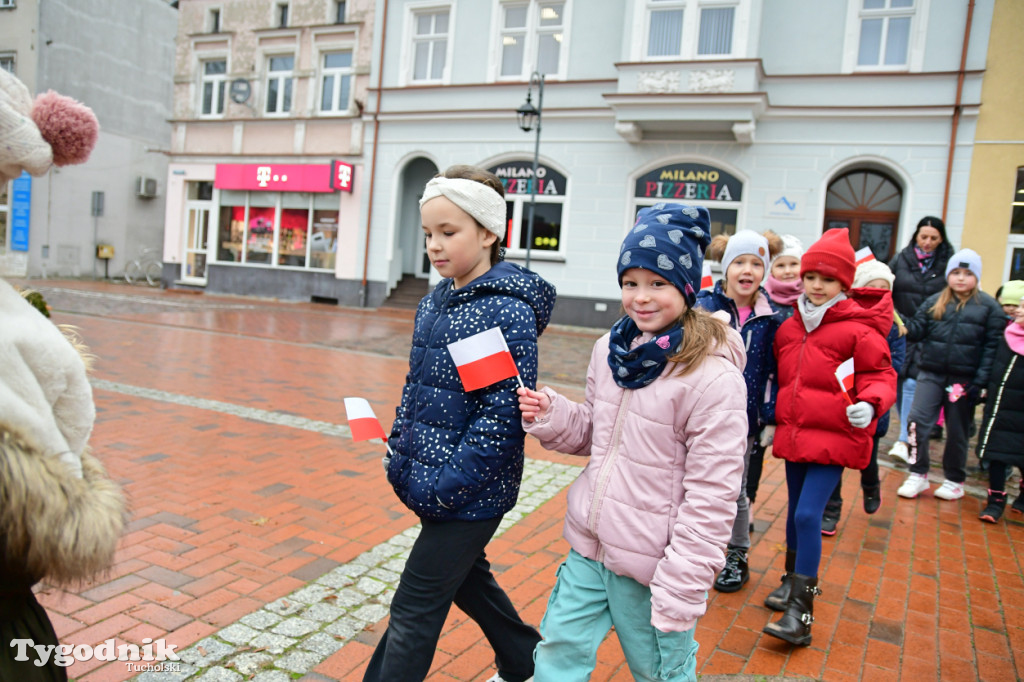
{"x": 845, "y": 376}
{"x": 362, "y": 422}
{"x": 863, "y": 256}
{"x": 483, "y": 359}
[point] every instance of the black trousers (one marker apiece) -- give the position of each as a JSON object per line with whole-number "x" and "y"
{"x": 446, "y": 565}
{"x": 929, "y": 397}
{"x": 868, "y": 476}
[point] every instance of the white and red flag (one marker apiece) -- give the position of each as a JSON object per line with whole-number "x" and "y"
{"x": 845, "y": 376}
{"x": 483, "y": 359}
{"x": 362, "y": 422}
{"x": 706, "y": 280}
{"x": 863, "y": 256}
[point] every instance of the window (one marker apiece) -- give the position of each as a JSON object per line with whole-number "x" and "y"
{"x": 694, "y": 183}
{"x": 336, "y": 82}
{"x": 279, "y": 84}
{"x": 292, "y": 229}
{"x": 339, "y": 12}
{"x": 430, "y": 45}
{"x": 885, "y": 32}
{"x": 1015, "y": 244}
{"x": 281, "y": 15}
{"x": 685, "y": 29}
{"x": 214, "y": 83}
{"x": 4, "y": 212}
{"x": 531, "y": 38}
{"x": 7, "y": 62}
{"x": 7, "y": 3}
{"x": 213, "y": 20}
{"x": 516, "y": 177}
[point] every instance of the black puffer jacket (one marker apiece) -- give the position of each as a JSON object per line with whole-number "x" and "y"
{"x": 962, "y": 345}
{"x": 912, "y": 286}
{"x": 1003, "y": 427}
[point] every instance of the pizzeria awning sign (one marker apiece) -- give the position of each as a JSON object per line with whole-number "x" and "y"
{"x": 689, "y": 181}
{"x": 517, "y": 178}
{"x": 285, "y": 177}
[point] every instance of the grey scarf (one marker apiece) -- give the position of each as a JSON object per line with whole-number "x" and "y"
{"x": 813, "y": 314}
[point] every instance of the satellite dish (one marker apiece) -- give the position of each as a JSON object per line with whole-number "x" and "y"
{"x": 240, "y": 90}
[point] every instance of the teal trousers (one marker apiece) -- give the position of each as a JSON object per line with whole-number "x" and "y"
{"x": 586, "y": 602}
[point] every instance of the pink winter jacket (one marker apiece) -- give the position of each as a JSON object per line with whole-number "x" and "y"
{"x": 657, "y": 499}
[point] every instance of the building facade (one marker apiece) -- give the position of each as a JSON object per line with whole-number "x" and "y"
{"x": 115, "y": 56}
{"x": 266, "y": 169}
{"x": 995, "y": 201}
{"x": 773, "y": 115}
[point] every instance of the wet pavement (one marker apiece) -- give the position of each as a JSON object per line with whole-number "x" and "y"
{"x": 265, "y": 544}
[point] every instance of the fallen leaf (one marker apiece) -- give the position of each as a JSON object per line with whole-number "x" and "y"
{"x": 260, "y": 521}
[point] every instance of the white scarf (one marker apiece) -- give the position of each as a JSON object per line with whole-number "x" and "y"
{"x": 811, "y": 314}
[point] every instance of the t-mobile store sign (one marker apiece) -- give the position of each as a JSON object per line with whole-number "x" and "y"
{"x": 285, "y": 177}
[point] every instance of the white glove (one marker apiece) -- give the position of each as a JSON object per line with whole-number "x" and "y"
{"x": 767, "y": 435}
{"x": 860, "y": 415}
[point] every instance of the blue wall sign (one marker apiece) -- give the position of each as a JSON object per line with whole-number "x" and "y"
{"x": 21, "y": 207}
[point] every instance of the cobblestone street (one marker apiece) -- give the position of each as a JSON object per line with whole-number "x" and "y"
{"x": 266, "y": 545}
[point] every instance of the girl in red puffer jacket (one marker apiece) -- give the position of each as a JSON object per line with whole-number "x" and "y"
{"x": 821, "y": 429}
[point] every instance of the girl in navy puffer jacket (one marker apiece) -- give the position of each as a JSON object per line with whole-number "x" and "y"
{"x": 458, "y": 455}
{"x": 745, "y": 257}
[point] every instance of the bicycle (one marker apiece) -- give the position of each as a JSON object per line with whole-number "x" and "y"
{"x": 146, "y": 266}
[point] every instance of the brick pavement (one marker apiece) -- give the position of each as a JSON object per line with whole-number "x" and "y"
{"x": 218, "y": 416}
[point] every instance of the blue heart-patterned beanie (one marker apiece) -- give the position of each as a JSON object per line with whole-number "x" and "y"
{"x": 669, "y": 239}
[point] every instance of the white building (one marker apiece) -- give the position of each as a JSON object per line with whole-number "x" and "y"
{"x": 786, "y": 115}
{"x": 114, "y": 56}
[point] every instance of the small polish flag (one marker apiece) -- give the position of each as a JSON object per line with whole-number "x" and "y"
{"x": 863, "y": 256}
{"x": 845, "y": 376}
{"x": 483, "y": 359}
{"x": 706, "y": 280}
{"x": 362, "y": 421}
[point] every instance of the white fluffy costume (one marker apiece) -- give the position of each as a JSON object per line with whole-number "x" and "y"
{"x": 60, "y": 515}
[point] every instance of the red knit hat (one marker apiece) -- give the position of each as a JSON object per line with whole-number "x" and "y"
{"x": 832, "y": 256}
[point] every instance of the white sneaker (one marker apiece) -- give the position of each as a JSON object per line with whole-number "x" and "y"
{"x": 900, "y": 451}
{"x": 914, "y": 486}
{"x": 950, "y": 491}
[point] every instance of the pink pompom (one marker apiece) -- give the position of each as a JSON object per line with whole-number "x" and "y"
{"x": 67, "y": 125}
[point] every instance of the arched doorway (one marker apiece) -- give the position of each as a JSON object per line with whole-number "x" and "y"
{"x": 410, "y": 283}
{"x": 867, "y": 203}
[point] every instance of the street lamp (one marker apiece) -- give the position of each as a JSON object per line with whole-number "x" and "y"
{"x": 528, "y": 115}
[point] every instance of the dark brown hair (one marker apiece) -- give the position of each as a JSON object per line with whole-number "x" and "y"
{"x": 484, "y": 177}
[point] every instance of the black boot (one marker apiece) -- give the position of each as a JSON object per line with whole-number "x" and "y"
{"x": 795, "y": 624}
{"x": 1018, "y": 505}
{"x": 872, "y": 498}
{"x": 779, "y": 597}
{"x": 830, "y": 518}
{"x": 735, "y": 574}
{"x": 993, "y": 511}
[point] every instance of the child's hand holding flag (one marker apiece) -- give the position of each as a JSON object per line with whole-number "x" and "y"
{"x": 861, "y": 413}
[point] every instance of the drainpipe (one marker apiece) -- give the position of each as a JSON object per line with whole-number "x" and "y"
{"x": 957, "y": 107}
{"x": 373, "y": 158}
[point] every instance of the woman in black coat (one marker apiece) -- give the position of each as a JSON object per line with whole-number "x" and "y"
{"x": 919, "y": 271}
{"x": 1002, "y": 431}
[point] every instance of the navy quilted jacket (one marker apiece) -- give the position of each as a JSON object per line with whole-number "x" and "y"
{"x": 758, "y": 334}
{"x": 459, "y": 455}
{"x": 898, "y": 351}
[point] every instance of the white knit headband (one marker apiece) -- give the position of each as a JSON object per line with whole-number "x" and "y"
{"x": 477, "y": 199}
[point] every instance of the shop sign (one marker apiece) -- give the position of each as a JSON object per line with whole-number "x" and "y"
{"x": 689, "y": 181}
{"x": 21, "y": 209}
{"x": 284, "y": 177}
{"x": 517, "y": 177}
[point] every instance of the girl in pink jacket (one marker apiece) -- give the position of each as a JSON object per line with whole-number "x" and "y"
{"x": 664, "y": 423}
